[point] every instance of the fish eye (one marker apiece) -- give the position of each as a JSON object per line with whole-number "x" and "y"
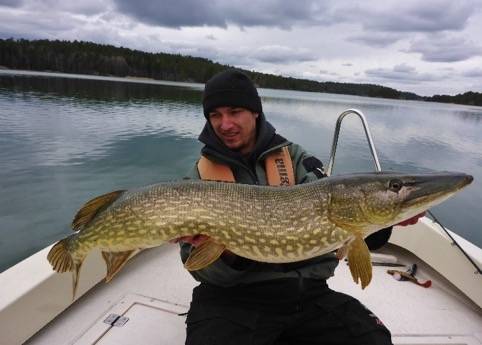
{"x": 395, "y": 185}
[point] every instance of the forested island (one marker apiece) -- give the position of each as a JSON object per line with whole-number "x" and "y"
{"x": 106, "y": 60}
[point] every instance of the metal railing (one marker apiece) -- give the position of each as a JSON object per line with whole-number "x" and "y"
{"x": 367, "y": 133}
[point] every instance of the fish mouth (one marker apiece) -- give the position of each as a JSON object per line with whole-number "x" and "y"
{"x": 434, "y": 187}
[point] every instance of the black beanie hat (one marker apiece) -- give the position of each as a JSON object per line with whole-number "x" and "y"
{"x": 230, "y": 88}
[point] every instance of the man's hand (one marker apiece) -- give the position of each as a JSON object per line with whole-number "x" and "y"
{"x": 195, "y": 240}
{"x": 411, "y": 221}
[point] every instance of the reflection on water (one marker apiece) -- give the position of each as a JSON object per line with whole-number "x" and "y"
{"x": 63, "y": 141}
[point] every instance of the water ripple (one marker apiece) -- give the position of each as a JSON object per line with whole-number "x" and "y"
{"x": 65, "y": 141}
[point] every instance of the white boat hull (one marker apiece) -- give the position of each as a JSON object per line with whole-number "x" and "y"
{"x": 32, "y": 295}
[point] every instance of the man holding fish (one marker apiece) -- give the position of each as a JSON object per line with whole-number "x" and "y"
{"x": 240, "y": 301}
{"x": 262, "y": 248}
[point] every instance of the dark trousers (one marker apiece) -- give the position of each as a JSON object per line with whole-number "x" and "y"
{"x": 305, "y": 313}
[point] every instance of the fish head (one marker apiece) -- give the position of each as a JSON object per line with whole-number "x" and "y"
{"x": 372, "y": 201}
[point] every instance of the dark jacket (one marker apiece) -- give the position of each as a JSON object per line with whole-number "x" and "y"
{"x": 250, "y": 170}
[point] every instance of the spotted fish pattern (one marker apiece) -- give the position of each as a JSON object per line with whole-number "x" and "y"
{"x": 262, "y": 223}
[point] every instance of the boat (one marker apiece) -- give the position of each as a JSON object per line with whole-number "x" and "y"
{"x": 147, "y": 301}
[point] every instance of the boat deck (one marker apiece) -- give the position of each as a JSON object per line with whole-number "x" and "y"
{"x": 154, "y": 288}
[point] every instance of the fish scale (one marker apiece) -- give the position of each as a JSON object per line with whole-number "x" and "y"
{"x": 262, "y": 223}
{"x": 163, "y": 209}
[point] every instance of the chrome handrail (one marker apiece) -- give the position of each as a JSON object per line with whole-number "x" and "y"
{"x": 367, "y": 133}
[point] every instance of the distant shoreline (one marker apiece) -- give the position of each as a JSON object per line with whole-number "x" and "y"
{"x": 145, "y": 80}
{"x": 130, "y": 79}
{"x": 87, "y": 58}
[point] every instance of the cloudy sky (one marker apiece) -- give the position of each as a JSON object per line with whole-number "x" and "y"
{"x": 425, "y": 46}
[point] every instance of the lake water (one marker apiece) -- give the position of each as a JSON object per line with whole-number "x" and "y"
{"x": 65, "y": 140}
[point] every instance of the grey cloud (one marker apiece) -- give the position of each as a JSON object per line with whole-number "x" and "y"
{"x": 242, "y": 56}
{"x": 281, "y": 54}
{"x": 444, "y": 48}
{"x": 328, "y": 73}
{"x": 419, "y": 16}
{"x": 425, "y": 16}
{"x": 473, "y": 73}
{"x": 391, "y": 16}
{"x": 86, "y": 7}
{"x": 172, "y": 13}
{"x": 239, "y": 57}
{"x": 376, "y": 39}
{"x": 401, "y": 73}
{"x": 46, "y": 7}
{"x": 404, "y": 68}
{"x": 278, "y": 13}
{"x": 27, "y": 25}
{"x": 220, "y": 13}
{"x": 11, "y": 3}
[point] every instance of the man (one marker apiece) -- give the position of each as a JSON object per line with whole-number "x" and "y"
{"x": 240, "y": 301}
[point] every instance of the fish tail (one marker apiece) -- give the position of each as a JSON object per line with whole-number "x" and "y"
{"x": 60, "y": 257}
{"x": 62, "y": 261}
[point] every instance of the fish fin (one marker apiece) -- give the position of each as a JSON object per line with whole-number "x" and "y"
{"x": 75, "y": 278}
{"x": 341, "y": 252}
{"x": 359, "y": 261}
{"x": 203, "y": 255}
{"x": 60, "y": 258}
{"x": 115, "y": 261}
{"x": 62, "y": 261}
{"x": 91, "y": 208}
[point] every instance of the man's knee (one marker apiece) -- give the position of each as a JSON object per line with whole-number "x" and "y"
{"x": 349, "y": 322}
{"x": 376, "y": 337}
{"x": 219, "y": 325}
{"x": 365, "y": 326}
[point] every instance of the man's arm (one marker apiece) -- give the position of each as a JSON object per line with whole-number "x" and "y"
{"x": 307, "y": 168}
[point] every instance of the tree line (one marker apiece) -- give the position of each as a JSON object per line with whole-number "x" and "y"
{"x": 99, "y": 59}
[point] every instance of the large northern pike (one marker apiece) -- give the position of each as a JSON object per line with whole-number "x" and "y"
{"x": 262, "y": 223}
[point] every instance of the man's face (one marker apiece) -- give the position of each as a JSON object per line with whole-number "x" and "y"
{"x": 236, "y": 127}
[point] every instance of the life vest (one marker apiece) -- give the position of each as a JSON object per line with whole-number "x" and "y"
{"x": 278, "y": 166}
